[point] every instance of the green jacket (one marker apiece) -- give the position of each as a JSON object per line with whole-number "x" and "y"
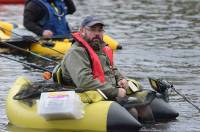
{"x": 76, "y": 65}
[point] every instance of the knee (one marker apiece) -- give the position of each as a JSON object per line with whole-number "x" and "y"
{"x": 133, "y": 112}
{"x": 145, "y": 114}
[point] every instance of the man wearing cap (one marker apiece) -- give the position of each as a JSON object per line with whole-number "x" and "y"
{"x": 89, "y": 63}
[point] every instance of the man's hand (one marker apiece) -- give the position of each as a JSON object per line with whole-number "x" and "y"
{"x": 121, "y": 92}
{"x": 47, "y": 34}
{"x": 123, "y": 83}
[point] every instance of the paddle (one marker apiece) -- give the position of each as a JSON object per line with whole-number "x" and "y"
{"x": 161, "y": 85}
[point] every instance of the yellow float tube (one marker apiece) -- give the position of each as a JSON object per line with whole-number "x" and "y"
{"x": 5, "y": 34}
{"x": 100, "y": 116}
{"x": 53, "y": 48}
{"x": 58, "y": 48}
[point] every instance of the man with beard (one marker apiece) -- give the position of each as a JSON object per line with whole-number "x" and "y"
{"x": 89, "y": 64}
{"x": 89, "y": 61}
{"x": 46, "y": 18}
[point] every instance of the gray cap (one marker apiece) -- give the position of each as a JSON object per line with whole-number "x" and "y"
{"x": 91, "y": 21}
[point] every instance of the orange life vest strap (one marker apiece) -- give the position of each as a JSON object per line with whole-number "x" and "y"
{"x": 96, "y": 64}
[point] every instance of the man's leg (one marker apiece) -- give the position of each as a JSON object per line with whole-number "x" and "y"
{"x": 145, "y": 114}
{"x": 133, "y": 112}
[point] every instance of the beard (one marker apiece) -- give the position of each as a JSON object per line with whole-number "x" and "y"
{"x": 96, "y": 42}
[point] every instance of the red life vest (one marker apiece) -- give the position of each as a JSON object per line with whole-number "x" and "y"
{"x": 96, "y": 64}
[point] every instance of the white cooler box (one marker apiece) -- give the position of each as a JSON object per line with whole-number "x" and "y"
{"x": 60, "y": 105}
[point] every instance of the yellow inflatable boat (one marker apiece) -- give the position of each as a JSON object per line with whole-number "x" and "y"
{"x": 53, "y": 47}
{"x": 58, "y": 48}
{"x": 100, "y": 116}
{"x": 5, "y": 34}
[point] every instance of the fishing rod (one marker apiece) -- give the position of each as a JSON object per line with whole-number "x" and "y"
{"x": 16, "y": 47}
{"x": 186, "y": 99}
{"x": 30, "y": 39}
{"x": 78, "y": 90}
{"x": 161, "y": 85}
{"x": 27, "y": 64}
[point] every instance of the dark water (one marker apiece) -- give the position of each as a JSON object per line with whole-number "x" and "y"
{"x": 160, "y": 38}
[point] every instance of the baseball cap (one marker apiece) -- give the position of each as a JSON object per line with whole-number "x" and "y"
{"x": 91, "y": 21}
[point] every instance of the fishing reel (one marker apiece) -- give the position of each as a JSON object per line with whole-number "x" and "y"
{"x": 161, "y": 86}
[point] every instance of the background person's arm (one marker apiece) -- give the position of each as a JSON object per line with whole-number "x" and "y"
{"x": 71, "y": 8}
{"x": 32, "y": 14}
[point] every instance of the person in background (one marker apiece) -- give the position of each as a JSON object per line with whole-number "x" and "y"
{"x": 46, "y": 18}
{"x": 89, "y": 64}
